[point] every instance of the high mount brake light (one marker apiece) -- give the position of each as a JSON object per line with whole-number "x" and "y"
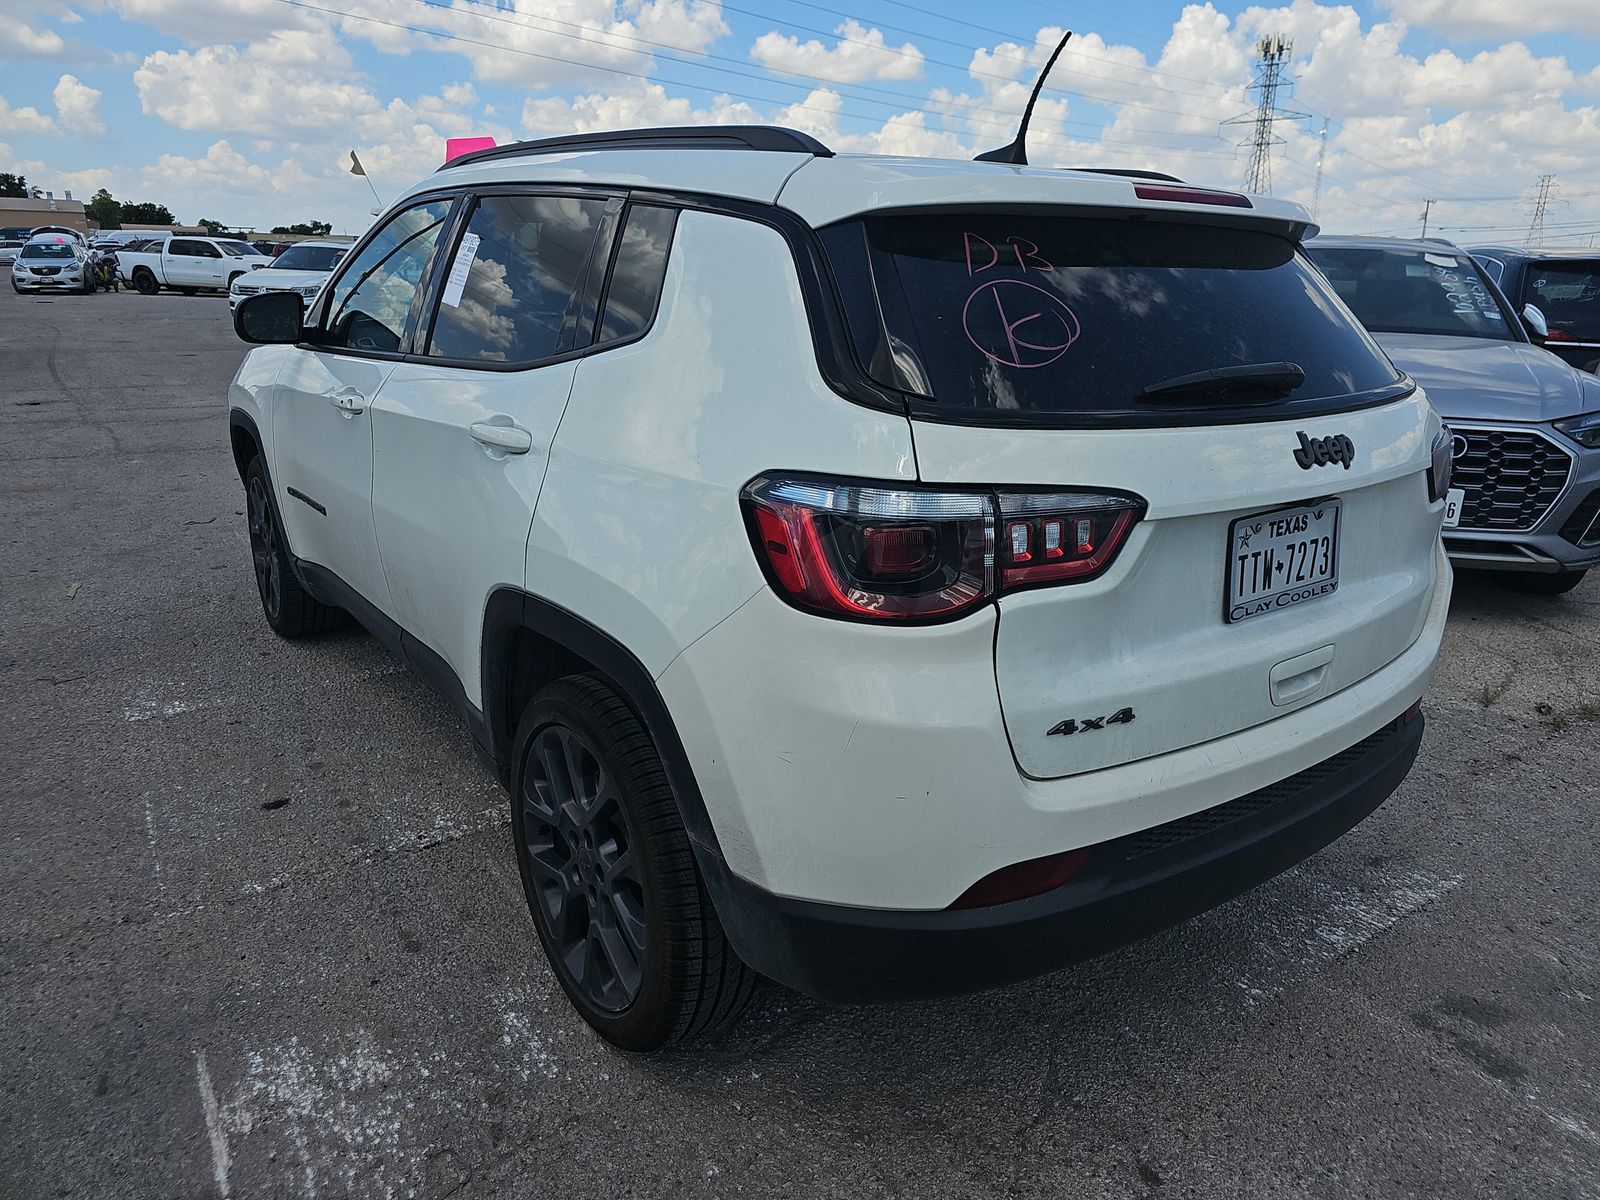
{"x": 1176, "y": 194}
{"x": 919, "y": 554}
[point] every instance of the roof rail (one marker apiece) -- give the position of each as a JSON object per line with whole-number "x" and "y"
{"x": 1157, "y": 175}
{"x": 689, "y": 137}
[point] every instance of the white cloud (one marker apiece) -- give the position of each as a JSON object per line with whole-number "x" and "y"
{"x": 255, "y": 91}
{"x": 78, "y": 107}
{"x": 859, "y": 54}
{"x": 24, "y": 120}
{"x": 1470, "y": 18}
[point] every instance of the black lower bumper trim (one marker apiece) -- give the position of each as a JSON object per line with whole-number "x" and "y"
{"x": 1129, "y": 888}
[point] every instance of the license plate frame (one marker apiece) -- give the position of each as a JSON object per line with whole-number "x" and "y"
{"x": 1255, "y": 528}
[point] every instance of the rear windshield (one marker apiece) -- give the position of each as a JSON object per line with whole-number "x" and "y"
{"x": 47, "y": 250}
{"x": 1568, "y": 293}
{"x": 1064, "y": 318}
{"x": 1394, "y": 290}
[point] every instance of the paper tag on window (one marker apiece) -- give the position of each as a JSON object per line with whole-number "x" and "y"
{"x": 1442, "y": 260}
{"x": 456, "y": 283}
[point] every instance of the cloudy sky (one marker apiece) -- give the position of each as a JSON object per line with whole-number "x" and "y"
{"x": 245, "y": 110}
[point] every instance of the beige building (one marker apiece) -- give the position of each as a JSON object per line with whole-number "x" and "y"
{"x": 30, "y": 214}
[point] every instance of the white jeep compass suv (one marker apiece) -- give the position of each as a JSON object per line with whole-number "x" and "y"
{"x": 888, "y": 576}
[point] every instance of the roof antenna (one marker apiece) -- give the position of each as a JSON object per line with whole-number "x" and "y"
{"x": 1017, "y": 152}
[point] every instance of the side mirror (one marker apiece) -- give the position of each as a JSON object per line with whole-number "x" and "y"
{"x": 271, "y": 318}
{"x": 1533, "y": 321}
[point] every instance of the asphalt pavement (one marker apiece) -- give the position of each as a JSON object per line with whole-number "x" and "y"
{"x": 261, "y": 933}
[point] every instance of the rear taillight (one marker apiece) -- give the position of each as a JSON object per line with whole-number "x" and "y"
{"x": 1441, "y": 466}
{"x": 919, "y": 554}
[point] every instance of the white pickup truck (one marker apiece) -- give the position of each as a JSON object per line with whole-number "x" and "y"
{"x": 188, "y": 264}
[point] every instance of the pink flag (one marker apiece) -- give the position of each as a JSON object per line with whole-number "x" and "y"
{"x": 454, "y": 148}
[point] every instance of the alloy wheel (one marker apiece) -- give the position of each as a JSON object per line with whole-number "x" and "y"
{"x": 585, "y": 874}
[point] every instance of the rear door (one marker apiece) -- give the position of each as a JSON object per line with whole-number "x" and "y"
{"x": 462, "y": 429}
{"x": 1567, "y": 291}
{"x": 1288, "y": 544}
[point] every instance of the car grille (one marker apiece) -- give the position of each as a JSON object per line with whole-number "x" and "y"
{"x": 47, "y": 270}
{"x": 245, "y": 289}
{"x": 1583, "y": 526}
{"x": 1511, "y": 477}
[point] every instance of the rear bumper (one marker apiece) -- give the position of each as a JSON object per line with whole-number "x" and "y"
{"x": 1130, "y": 887}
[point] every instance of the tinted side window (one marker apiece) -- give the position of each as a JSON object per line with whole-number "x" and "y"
{"x": 206, "y": 250}
{"x": 179, "y": 246}
{"x": 372, "y": 298}
{"x": 640, "y": 270}
{"x": 513, "y": 278}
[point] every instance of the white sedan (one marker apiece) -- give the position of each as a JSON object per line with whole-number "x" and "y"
{"x": 302, "y": 268}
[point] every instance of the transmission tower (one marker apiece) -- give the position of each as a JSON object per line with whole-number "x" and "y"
{"x": 1272, "y": 57}
{"x": 1541, "y": 204}
{"x": 1322, "y": 153}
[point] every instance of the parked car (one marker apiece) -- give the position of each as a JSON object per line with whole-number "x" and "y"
{"x": 52, "y": 262}
{"x": 1525, "y": 425}
{"x": 58, "y": 230}
{"x": 189, "y": 264}
{"x": 1565, "y": 286}
{"x": 126, "y": 239}
{"x": 9, "y": 248}
{"x": 302, "y": 268}
{"x": 890, "y": 576}
{"x": 271, "y": 249}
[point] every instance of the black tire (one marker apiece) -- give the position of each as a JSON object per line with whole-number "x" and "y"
{"x": 231, "y": 278}
{"x": 144, "y": 282}
{"x": 15, "y": 288}
{"x": 602, "y": 851}
{"x": 289, "y": 608}
{"x": 1556, "y": 584}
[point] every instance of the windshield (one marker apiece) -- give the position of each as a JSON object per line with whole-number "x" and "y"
{"x": 1074, "y": 317}
{"x": 1403, "y": 290}
{"x": 47, "y": 250}
{"x": 1568, "y": 294}
{"x": 309, "y": 258}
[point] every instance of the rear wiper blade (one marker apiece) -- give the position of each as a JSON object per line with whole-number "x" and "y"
{"x": 1268, "y": 381}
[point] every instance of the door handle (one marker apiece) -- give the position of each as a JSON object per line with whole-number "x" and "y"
{"x": 348, "y": 401}
{"x": 509, "y": 439}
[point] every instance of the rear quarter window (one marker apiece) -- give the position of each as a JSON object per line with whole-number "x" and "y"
{"x": 1068, "y": 319}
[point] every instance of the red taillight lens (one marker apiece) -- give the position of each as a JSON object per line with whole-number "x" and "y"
{"x": 1559, "y": 335}
{"x": 1023, "y": 879}
{"x": 919, "y": 554}
{"x": 1066, "y": 536}
{"x": 886, "y": 553}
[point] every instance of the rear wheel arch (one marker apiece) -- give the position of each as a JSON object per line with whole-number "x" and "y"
{"x": 529, "y": 642}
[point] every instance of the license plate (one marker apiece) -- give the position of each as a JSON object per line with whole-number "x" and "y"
{"x": 1279, "y": 559}
{"x": 1452, "y": 507}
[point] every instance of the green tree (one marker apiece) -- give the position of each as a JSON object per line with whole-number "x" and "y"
{"x": 147, "y": 214}
{"x": 13, "y": 185}
{"x": 307, "y": 228}
{"x": 211, "y": 227}
{"x": 104, "y": 210}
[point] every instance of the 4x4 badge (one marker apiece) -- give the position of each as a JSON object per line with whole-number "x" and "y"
{"x": 1122, "y": 716}
{"x": 1319, "y": 452}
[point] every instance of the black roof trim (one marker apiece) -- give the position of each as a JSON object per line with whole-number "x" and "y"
{"x": 1157, "y": 175}
{"x": 691, "y": 137}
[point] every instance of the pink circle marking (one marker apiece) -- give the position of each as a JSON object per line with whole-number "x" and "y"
{"x": 1045, "y": 342}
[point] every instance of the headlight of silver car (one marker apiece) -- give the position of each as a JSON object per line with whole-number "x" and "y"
{"x": 1585, "y": 429}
